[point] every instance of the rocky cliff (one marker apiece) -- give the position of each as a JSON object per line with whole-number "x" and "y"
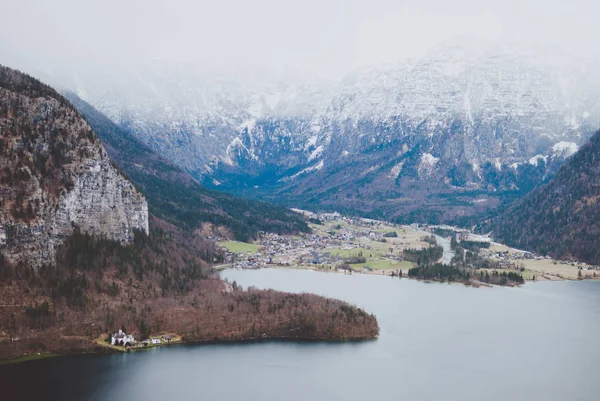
{"x": 55, "y": 176}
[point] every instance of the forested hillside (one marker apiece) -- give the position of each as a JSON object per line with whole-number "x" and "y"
{"x": 74, "y": 266}
{"x": 173, "y": 195}
{"x": 98, "y": 286}
{"x": 561, "y": 218}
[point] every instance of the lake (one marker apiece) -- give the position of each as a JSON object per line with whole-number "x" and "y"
{"x": 437, "y": 342}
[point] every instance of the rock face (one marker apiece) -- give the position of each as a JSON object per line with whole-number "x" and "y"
{"x": 478, "y": 118}
{"x": 55, "y": 176}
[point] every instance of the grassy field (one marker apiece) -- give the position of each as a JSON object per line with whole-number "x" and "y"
{"x": 333, "y": 225}
{"x": 398, "y": 231}
{"x": 386, "y": 264}
{"x": 529, "y": 274}
{"x": 348, "y": 253}
{"x": 545, "y": 266}
{"x": 240, "y": 247}
{"x": 101, "y": 341}
{"x": 559, "y": 269}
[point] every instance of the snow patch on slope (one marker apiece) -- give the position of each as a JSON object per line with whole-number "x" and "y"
{"x": 248, "y": 125}
{"x": 315, "y": 167}
{"x": 316, "y": 153}
{"x": 238, "y": 145}
{"x": 564, "y": 149}
{"x": 476, "y": 169}
{"x": 427, "y": 164}
{"x": 536, "y": 159}
{"x": 396, "y": 170}
{"x": 312, "y": 141}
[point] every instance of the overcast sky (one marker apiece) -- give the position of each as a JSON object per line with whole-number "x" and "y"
{"x": 322, "y": 37}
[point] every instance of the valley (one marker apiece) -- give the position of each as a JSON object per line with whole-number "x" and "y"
{"x": 302, "y": 201}
{"x": 448, "y": 138}
{"x": 365, "y": 246}
{"x": 100, "y": 231}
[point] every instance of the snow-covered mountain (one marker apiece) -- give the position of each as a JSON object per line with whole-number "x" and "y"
{"x": 192, "y": 115}
{"x": 395, "y": 140}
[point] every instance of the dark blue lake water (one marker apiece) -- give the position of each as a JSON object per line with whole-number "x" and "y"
{"x": 437, "y": 342}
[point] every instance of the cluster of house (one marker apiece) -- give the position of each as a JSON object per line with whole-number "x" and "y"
{"x": 127, "y": 340}
{"x": 321, "y": 216}
{"x": 309, "y": 249}
{"x": 158, "y": 340}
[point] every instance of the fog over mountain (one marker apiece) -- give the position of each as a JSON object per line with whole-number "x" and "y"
{"x": 412, "y": 112}
{"x": 474, "y": 119}
{"x": 324, "y": 38}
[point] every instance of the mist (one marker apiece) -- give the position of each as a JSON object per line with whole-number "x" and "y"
{"x": 325, "y": 38}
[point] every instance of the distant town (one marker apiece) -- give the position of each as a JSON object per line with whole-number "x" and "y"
{"x": 358, "y": 245}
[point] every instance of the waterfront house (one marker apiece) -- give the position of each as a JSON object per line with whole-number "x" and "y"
{"x": 121, "y": 338}
{"x": 155, "y": 341}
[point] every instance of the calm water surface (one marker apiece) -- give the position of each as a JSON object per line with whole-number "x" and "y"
{"x": 437, "y": 342}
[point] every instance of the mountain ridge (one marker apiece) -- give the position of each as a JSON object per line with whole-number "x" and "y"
{"x": 465, "y": 119}
{"x": 560, "y": 218}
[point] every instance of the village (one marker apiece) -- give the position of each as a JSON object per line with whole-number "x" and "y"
{"x": 357, "y": 245}
{"x": 335, "y": 241}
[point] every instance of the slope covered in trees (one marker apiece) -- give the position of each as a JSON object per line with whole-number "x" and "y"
{"x": 98, "y": 286}
{"x": 161, "y": 280}
{"x": 465, "y": 267}
{"x": 176, "y": 197}
{"x": 562, "y": 217}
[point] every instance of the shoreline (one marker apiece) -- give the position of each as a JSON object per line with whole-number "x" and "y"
{"x": 97, "y": 346}
{"x": 29, "y": 358}
{"x": 101, "y": 349}
{"x": 382, "y": 273}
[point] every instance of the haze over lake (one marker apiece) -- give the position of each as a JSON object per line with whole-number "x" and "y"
{"x": 437, "y": 342}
